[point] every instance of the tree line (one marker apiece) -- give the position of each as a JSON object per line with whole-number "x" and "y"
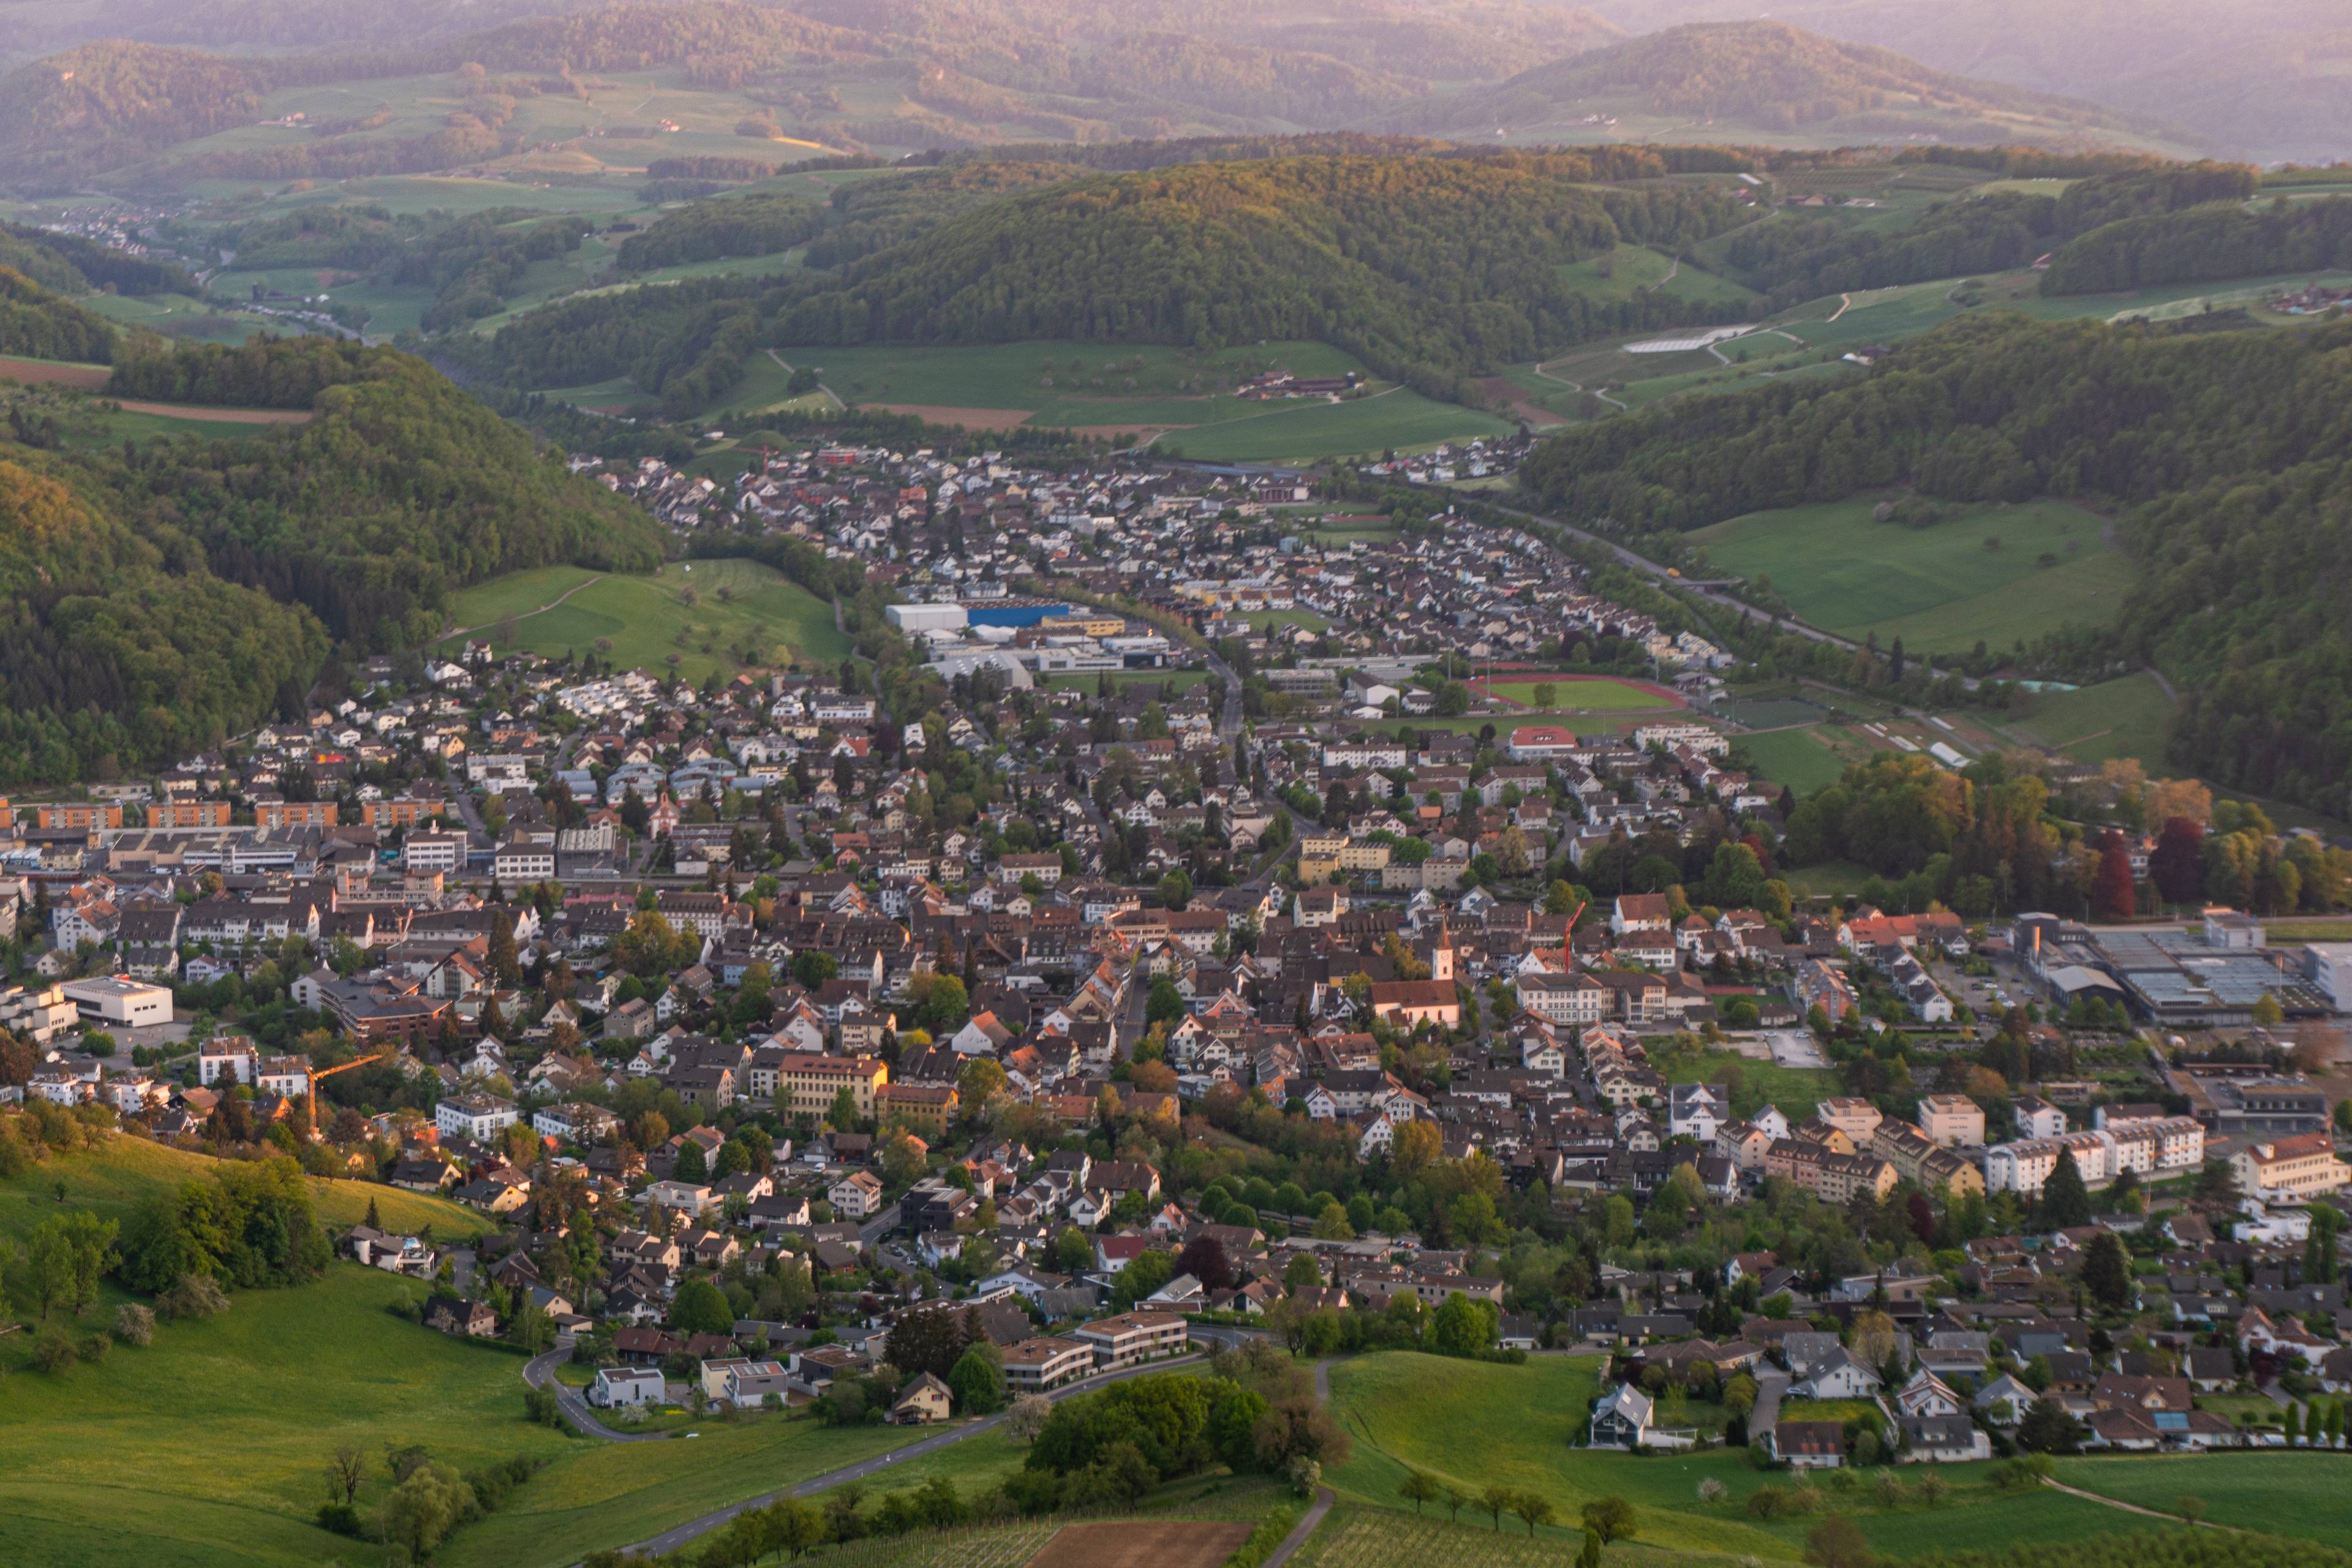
{"x": 2204, "y": 244}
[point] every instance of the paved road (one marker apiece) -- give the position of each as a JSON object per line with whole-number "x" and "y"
{"x": 1229, "y": 725}
{"x": 1771, "y": 1384}
{"x": 672, "y": 1539}
{"x": 539, "y": 1373}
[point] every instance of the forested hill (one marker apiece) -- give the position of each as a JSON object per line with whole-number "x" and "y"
{"x": 2220, "y": 239}
{"x": 2229, "y": 452}
{"x": 107, "y": 104}
{"x": 161, "y": 597}
{"x": 1427, "y": 267}
{"x": 36, "y": 324}
{"x": 1765, "y": 79}
{"x": 1796, "y": 255}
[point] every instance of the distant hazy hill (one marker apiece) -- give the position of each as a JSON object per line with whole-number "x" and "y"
{"x": 1765, "y": 82}
{"x": 2271, "y": 78}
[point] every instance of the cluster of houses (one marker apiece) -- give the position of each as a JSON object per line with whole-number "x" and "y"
{"x": 410, "y": 855}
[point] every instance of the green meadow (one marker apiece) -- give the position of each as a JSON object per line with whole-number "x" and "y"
{"x": 1583, "y": 693}
{"x": 1636, "y": 269}
{"x": 1941, "y": 588}
{"x": 2121, "y": 718}
{"x": 709, "y": 614}
{"x": 1796, "y": 757}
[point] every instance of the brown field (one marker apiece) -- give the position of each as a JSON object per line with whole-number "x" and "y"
{"x": 222, "y": 416}
{"x": 1135, "y": 1544}
{"x": 1512, "y": 398}
{"x": 38, "y": 372}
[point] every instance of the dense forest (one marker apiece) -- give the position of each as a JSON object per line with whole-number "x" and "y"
{"x": 2230, "y": 451}
{"x": 2205, "y": 244}
{"x": 876, "y": 215}
{"x": 165, "y": 595}
{"x": 760, "y": 223}
{"x": 36, "y": 324}
{"x": 1797, "y": 257}
{"x": 1425, "y": 267}
{"x": 121, "y": 649}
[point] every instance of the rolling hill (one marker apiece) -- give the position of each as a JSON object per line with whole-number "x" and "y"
{"x": 912, "y": 75}
{"x": 162, "y": 599}
{"x": 1766, "y": 81}
{"x": 2268, "y": 85}
{"x": 1424, "y": 268}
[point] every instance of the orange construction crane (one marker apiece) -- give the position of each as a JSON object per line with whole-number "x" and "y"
{"x": 318, "y": 1073}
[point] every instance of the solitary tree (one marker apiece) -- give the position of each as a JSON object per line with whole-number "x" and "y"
{"x": 1533, "y": 1508}
{"x": 1611, "y": 1518}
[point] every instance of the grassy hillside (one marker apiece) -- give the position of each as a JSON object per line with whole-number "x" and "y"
{"x": 113, "y": 1179}
{"x": 1477, "y": 1425}
{"x": 1772, "y": 82}
{"x": 1939, "y": 588}
{"x": 740, "y": 608}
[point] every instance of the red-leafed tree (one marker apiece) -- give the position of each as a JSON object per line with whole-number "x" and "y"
{"x": 2115, "y": 894}
{"x": 2176, "y": 865}
{"x": 1204, "y": 1260}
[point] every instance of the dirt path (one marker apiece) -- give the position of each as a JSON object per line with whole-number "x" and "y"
{"x": 1306, "y": 1525}
{"x": 1579, "y": 386}
{"x": 468, "y": 631}
{"x": 1845, "y": 301}
{"x": 2135, "y": 1508}
{"x": 1269, "y": 413}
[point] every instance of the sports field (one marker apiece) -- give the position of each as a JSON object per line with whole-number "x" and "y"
{"x": 711, "y": 614}
{"x": 1574, "y": 693}
{"x": 1941, "y": 589}
{"x": 1798, "y": 757}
